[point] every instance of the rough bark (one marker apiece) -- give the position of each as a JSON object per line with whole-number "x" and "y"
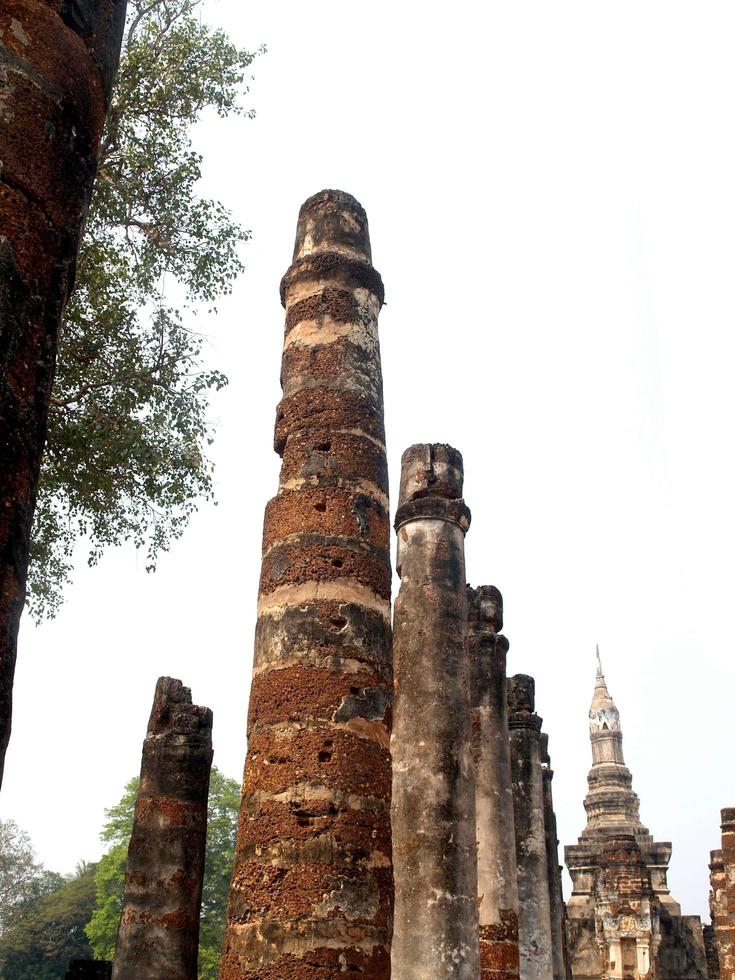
{"x": 497, "y": 885}
{"x": 433, "y": 812}
{"x": 158, "y": 935}
{"x": 312, "y": 890}
{"x": 534, "y": 915}
{"x": 57, "y": 62}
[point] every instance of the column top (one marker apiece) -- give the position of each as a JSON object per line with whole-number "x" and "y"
{"x": 432, "y": 475}
{"x": 485, "y": 609}
{"x": 332, "y": 221}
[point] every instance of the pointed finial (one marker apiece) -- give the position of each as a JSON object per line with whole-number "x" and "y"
{"x": 599, "y": 662}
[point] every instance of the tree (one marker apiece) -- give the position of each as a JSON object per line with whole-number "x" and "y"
{"x": 222, "y": 813}
{"x": 59, "y": 61}
{"x": 23, "y": 880}
{"x": 126, "y": 450}
{"x": 40, "y": 945}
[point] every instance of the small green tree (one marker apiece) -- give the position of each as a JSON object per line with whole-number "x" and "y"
{"x": 23, "y": 880}
{"x": 125, "y": 458}
{"x": 40, "y": 944}
{"x": 222, "y": 812}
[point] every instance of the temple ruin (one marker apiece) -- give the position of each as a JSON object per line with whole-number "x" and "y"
{"x": 397, "y": 755}
{"x": 622, "y": 919}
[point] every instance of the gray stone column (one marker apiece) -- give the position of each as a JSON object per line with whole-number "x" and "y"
{"x": 556, "y": 899}
{"x": 158, "y": 935}
{"x": 534, "y": 912}
{"x": 433, "y": 810}
{"x": 497, "y": 885}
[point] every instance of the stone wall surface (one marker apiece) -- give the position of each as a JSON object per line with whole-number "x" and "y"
{"x": 556, "y": 898}
{"x": 497, "y": 885}
{"x": 433, "y": 812}
{"x": 312, "y": 890}
{"x": 159, "y": 927}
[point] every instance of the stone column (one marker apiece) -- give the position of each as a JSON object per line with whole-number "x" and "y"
{"x": 497, "y": 884}
{"x": 717, "y": 911}
{"x": 312, "y": 891}
{"x": 433, "y": 811}
{"x": 556, "y": 899}
{"x": 725, "y": 926}
{"x": 534, "y": 913}
{"x": 158, "y": 935}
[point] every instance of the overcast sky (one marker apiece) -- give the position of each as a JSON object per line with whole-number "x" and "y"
{"x": 551, "y": 196}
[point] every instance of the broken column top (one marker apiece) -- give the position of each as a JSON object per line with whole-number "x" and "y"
{"x": 173, "y": 712}
{"x": 332, "y": 221}
{"x": 485, "y": 608}
{"x": 432, "y": 475}
{"x": 522, "y": 702}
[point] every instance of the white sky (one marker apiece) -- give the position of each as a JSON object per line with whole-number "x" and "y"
{"x": 551, "y": 200}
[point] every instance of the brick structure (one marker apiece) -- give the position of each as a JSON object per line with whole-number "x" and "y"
{"x": 725, "y": 922}
{"x": 497, "y": 886}
{"x": 621, "y": 919}
{"x": 433, "y": 811}
{"x": 312, "y": 893}
{"x": 158, "y": 935}
{"x": 556, "y": 898}
{"x": 534, "y": 907}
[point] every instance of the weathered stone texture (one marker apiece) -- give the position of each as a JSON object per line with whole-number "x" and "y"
{"x": 497, "y": 886}
{"x": 57, "y": 62}
{"x": 556, "y": 899}
{"x": 433, "y": 813}
{"x": 534, "y": 908}
{"x": 725, "y": 922}
{"x": 312, "y": 890}
{"x": 717, "y": 910}
{"x": 159, "y": 927}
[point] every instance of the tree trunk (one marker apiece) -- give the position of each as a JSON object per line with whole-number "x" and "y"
{"x": 57, "y": 63}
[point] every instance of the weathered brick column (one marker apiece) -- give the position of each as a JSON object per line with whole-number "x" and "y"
{"x": 717, "y": 911}
{"x": 497, "y": 886}
{"x": 433, "y": 812}
{"x": 534, "y": 913}
{"x": 725, "y": 926}
{"x": 312, "y": 890}
{"x": 556, "y": 899}
{"x": 158, "y": 935}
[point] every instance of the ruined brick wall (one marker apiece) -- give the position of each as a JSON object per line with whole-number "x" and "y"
{"x": 312, "y": 893}
{"x": 556, "y": 900}
{"x": 497, "y": 885}
{"x": 158, "y": 934}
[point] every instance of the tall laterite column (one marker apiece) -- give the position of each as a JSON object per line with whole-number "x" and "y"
{"x": 497, "y": 885}
{"x": 158, "y": 935}
{"x": 534, "y": 912}
{"x": 312, "y": 892}
{"x": 433, "y": 809}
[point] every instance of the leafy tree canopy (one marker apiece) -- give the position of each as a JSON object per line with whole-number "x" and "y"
{"x": 23, "y": 880}
{"x": 126, "y": 457}
{"x": 39, "y": 945}
{"x": 222, "y": 813}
